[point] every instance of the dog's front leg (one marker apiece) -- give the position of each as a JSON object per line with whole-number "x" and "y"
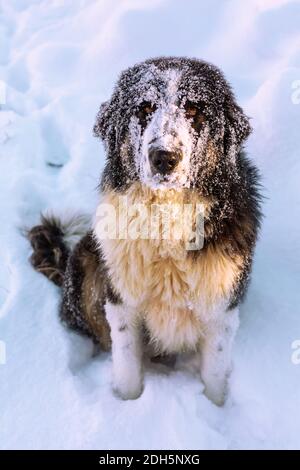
{"x": 126, "y": 350}
{"x": 216, "y": 349}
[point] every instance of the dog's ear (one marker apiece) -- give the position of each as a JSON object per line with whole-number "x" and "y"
{"x": 102, "y": 120}
{"x": 237, "y": 127}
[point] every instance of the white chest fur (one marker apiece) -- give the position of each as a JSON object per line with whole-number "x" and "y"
{"x": 175, "y": 294}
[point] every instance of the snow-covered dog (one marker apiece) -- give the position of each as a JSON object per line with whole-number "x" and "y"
{"x": 173, "y": 134}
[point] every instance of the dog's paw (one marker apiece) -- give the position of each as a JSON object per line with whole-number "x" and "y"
{"x": 128, "y": 391}
{"x": 216, "y": 390}
{"x": 218, "y": 397}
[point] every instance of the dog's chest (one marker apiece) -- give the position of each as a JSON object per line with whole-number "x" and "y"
{"x": 149, "y": 271}
{"x": 160, "y": 285}
{"x": 174, "y": 292}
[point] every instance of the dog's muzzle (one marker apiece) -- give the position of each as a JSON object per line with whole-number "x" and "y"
{"x": 164, "y": 162}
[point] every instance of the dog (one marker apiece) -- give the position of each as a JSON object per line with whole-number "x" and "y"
{"x": 173, "y": 134}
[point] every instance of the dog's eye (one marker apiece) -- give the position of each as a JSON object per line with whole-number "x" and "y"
{"x": 191, "y": 111}
{"x": 195, "y": 112}
{"x": 146, "y": 109}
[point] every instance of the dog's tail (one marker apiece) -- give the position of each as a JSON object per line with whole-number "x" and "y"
{"x": 52, "y": 242}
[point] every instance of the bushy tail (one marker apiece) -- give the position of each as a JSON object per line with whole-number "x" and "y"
{"x": 52, "y": 242}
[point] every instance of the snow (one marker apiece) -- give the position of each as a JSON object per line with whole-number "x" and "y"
{"x": 58, "y": 62}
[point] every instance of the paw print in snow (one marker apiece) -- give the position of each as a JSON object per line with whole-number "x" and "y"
{"x": 6, "y": 126}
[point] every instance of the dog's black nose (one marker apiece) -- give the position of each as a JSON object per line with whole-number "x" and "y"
{"x": 163, "y": 161}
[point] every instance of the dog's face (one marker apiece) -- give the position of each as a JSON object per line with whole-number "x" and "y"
{"x": 171, "y": 123}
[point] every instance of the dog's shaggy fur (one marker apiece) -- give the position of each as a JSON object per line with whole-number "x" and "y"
{"x": 173, "y": 133}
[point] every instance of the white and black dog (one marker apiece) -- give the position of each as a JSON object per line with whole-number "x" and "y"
{"x": 173, "y": 134}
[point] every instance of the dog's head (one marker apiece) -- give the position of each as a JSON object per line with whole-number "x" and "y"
{"x": 170, "y": 123}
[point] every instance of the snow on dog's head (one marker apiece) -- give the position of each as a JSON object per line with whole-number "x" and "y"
{"x": 170, "y": 123}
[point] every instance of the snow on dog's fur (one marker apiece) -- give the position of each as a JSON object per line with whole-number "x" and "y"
{"x": 173, "y": 134}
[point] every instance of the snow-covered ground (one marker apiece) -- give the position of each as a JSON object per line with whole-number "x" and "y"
{"x": 58, "y": 61}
